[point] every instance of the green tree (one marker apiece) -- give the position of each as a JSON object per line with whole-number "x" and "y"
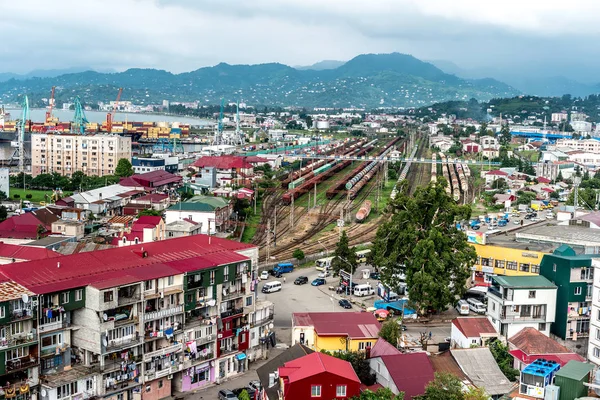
{"x": 3, "y": 196}
{"x": 390, "y": 331}
{"x": 444, "y": 387}
{"x": 504, "y": 136}
{"x": 554, "y": 195}
{"x": 587, "y": 197}
{"x": 499, "y": 184}
{"x": 525, "y": 197}
{"x": 421, "y": 238}
{"x": 359, "y": 363}
{"x": 504, "y": 360}
{"x": 17, "y": 196}
{"x": 298, "y": 254}
{"x": 244, "y": 395}
{"x": 150, "y": 212}
{"x": 3, "y": 213}
{"x": 29, "y": 196}
{"x": 475, "y": 393}
{"x": 380, "y": 394}
{"x": 344, "y": 255}
{"x": 40, "y": 231}
{"x": 483, "y": 131}
{"x": 559, "y": 177}
{"x": 124, "y": 168}
{"x": 77, "y": 180}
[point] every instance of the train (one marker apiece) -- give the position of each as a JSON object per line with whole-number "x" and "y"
{"x": 339, "y": 185}
{"x": 445, "y": 174}
{"x": 433, "y": 168}
{"x": 404, "y": 172}
{"x": 363, "y": 211}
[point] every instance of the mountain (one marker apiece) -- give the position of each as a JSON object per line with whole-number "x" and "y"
{"x": 367, "y": 81}
{"x": 321, "y": 65}
{"x": 47, "y": 73}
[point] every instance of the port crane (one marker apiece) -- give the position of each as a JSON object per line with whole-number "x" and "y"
{"x": 228, "y": 137}
{"x": 218, "y": 138}
{"x": 110, "y": 115}
{"x": 19, "y": 144}
{"x": 79, "y": 120}
{"x": 50, "y": 106}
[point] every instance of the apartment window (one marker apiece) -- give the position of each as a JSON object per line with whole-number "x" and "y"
{"x": 500, "y": 264}
{"x": 577, "y": 291}
{"x": 148, "y": 285}
{"x": 108, "y": 296}
{"x": 66, "y": 390}
{"x": 170, "y": 280}
{"x": 485, "y": 262}
{"x": 64, "y": 297}
{"x": 227, "y": 326}
{"x": 542, "y": 327}
{"x": 532, "y": 294}
{"x": 89, "y": 384}
{"x": 493, "y": 306}
{"x": 511, "y": 265}
{"x": 596, "y": 352}
{"x": 2, "y": 312}
{"x": 340, "y": 391}
{"x": 79, "y": 295}
{"x": 364, "y": 345}
{"x": 315, "y": 391}
{"x": 524, "y": 267}
{"x": 160, "y": 384}
{"x": 535, "y": 269}
{"x": 226, "y": 273}
{"x": 587, "y": 273}
{"x": 52, "y": 340}
{"x": 248, "y": 301}
{"x": 16, "y": 353}
{"x": 212, "y": 277}
{"x": 16, "y": 328}
{"x": 598, "y": 316}
{"x": 554, "y": 267}
{"x": 148, "y": 388}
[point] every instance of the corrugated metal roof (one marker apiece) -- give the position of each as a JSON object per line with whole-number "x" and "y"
{"x": 411, "y": 372}
{"x": 524, "y": 282}
{"x": 481, "y": 369}
{"x": 356, "y": 325}
{"x": 575, "y": 370}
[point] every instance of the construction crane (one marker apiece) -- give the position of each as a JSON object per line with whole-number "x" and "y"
{"x": 19, "y": 145}
{"x": 110, "y": 115}
{"x": 218, "y": 138}
{"x": 50, "y": 106}
{"x": 79, "y": 120}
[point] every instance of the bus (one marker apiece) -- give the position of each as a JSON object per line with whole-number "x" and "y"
{"x": 324, "y": 264}
{"x": 361, "y": 256}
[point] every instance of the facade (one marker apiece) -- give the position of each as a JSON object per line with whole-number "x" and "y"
{"x": 206, "y": 177}
{"x": 530, "y": 344}
{"x": 589, "y": 145}
{"x": 182, "y": 227}
{"x": 4, "y": 182}
{"x": 69, "y": 228}
{"x": 64, "y": 154}
{"x": 146, "y": 229}
{"x": 134, "y": 323}
{"x": 212, "y": 213}
{"x": 467, "y": 332}
{"x": 495, "y": 260}
{"x": 409, "y": 373}
{"x": 594, "y": 334}
{"x": 230, "y": 170}
{"x": 149, "y": 164}
{"x": 574, "y": 276}
{"x": 518, "y": 302}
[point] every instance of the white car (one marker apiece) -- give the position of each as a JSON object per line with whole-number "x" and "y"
{"x": 264, "y": 275}
{"x": 549, "y": 216}
{"x": 324, "y": 274}
{"x": 517, "y": 222}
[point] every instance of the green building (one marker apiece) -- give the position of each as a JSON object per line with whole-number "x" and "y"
{"x": 573, "y": 275}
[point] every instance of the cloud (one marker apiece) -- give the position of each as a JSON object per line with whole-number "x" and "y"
{"x": 182, "y": 35}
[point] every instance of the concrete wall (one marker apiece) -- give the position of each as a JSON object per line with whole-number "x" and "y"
{"x": 382, "y": 374}
{"x": 156, "y": 389}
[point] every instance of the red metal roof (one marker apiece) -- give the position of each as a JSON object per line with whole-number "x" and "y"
{"x": 21, "y": 226}
{"x": 149, "y": 220}
{"x": 223, "y": 162}
{"x": 542, "y": 179}
{"x": 119, "y": 265}
{"x": 474, "y": 326}
{"x": 317, "y": 363}
{"x": 532, "y": 341}
{"x": 497, "y": 172}
{"x": 153, "y": 198}
{"x": 151, "y": 179}
{"x": 356, "y": 325}
{"x": 26, "y": 252}
{"x": 383, "y": 348}
{"x": 562, "y": 358}
{"x": 411, "y": 372}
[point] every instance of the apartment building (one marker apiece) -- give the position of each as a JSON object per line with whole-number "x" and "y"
{"x": 518, "y": 302}
{"x": 593, "y": 354}
{"x": 96, "y": 154}
{"x": 587, "y": 145}
{"x": 138, "y": 322}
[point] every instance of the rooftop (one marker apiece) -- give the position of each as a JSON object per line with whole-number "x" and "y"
{"x": 541, "y": 367}
{"x": 356, "y": 325}
{"x": 152, "y": 198}
{"x": 383, "y": 348}
{"x": 561, "y": 358}
{"x": 474, "y": 326}
{"x": 411, "y": 372}
{"x": 575, "y": 370}
{"x": 223, "y": 162}
{"x": 294, "y": 352}
{"x": 445, "y": 363}
{"x": 565, "y": 234}
{"x": 25, "y": 252}
{"x": 481, "y": 369}
{"x": 11, "y": 290}
{"x": 201, "y": 204}
{"x": 153, "y": 179}
{"x": 532, "y": 341}
{"x": 524, "y": 282}
{"x": 316, "y": 363}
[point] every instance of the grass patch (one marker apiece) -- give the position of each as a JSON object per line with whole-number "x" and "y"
{"x": 252, "y": 223}
{"x": 37, "y": 196}
{"x": 531, "y": 155}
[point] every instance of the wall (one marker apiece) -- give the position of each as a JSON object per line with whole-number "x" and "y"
{"x": 186, "y": 379}
{"x": 500, "y": 253}
{"x": 198, "y": 217}
{"x": 153, "y": 390}
{"x": 594, "y": 338}
{"x": 309, "y": 335}
{"x": 382, "y": 374}
{"x": 301, "y": 390}
{"x": 460, "y": 340}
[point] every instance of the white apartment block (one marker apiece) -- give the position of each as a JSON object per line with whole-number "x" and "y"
{"x": 518, "y": 302}
{"x": 66, "y": 153}
{"x": 4, "y": 182}
{"x": 589, "y": 145}
{"x": 594, "y": 338}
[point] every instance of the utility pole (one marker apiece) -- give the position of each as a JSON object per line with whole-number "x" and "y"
{"x": 267, "y": 250}
{"x": 292, "y": 213}
{"x": 315, "y": 195}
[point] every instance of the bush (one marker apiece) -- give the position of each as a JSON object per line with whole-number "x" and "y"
{"x": 298, "y": 255}
{"x": 29, "y": 196}
{"x": 17, "y": 196}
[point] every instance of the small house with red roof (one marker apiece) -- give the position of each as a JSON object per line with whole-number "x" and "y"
{"x": 153, "y": 180}
{"x": 409, "y": 372}
{"x": 145, "y": 230}
{"x": 229, "y": 169}
{"x": 530, "y": 344}
{"x": 31, "y": 225}
{"x": 491, "y": 176}
{"x": 154, "y": 201}
{"x": 471, "y": 331}
{"x": 470, "y": 146}
{"x": 318, "y": 375}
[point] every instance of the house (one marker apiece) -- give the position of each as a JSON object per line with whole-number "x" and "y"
{"x": 154, "y": 201}
{"x": 518, "y": 302}
{"x": 31, "y": 225}
{"x": 491, "y": 176}
{"x": 69, "y": 228}
{"x": 211, "y": 212}
{"x": 145, "y": 230}
{"x": 489, "y": 142}
{"x": 409, "y": 372}
{"x": 331, "y": 331}
{"x": 502, "y": 198}
{"x": 382, "y": 348}
{"x": 490, "y": 153}
{"x": 230, "y": 170}
{"x": 182, "y": 227}
{"x": 158, "y": 180}
{"x": 574, "y": 276}
{"x": 108, "y": 200}
{"x": 529, "y": 345}
{"x": 470, "y": 146}
{"x": 443, "y": 143}
{"x": 267, "y": 372}
{"x": 480, "y": 367}
{"x": 466, "y": 332}
{"x": 318, "y": 375}
{"x": 206, "y": 177}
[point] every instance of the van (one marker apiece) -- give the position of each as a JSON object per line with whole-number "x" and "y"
{"x": 324, "y": 264}
{"x": 462, "y": 307}
{"x": 364, "y": 290}
{"x": 476, "y": 306}
{"x": 282, "y": 268}
{"x": 271, "y": 287}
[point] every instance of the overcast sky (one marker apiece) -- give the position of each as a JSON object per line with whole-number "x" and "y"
{"x": 183, "y": 35}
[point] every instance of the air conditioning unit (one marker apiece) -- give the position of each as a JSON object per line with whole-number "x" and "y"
{"x": 170, "y": 376}
{"x": 34, "y": 303}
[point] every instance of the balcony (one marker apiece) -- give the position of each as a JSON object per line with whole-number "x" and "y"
{"x": 20, "y": 314}
{"x": 522, "y": 318}
{"x": 122, "y": 343}
{"x": 125, "y": 300}
{"x": 52, "y": 326}
{"x": 21, "y": 363}
{"x": 232, "y": 312}
{"x": 229, "y": 350}
{"x": 206, "y": 339}
{"x": 165, "y": 350}
{"x": 262, "y": 321}
{"x": 493, "y": 291}
{"x": 18, "y": 340}
{"x": 234, "y": 295}
{"x": 152, "y": 374}
{"x": 153, "y": 315}
{"x": 56, "y": 350}
{"x": 119, "y": 385}
{"x": 113, "y": 365}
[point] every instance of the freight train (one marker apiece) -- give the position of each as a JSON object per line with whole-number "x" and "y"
{"x": 363, "y": 211}
{"x": 339, "y": 185}
{"x": 445, "y": 174}
{"x": 433, "y": 168}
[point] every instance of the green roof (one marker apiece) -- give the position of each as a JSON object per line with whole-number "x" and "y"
{"x": 524, "y": 282}
{"x": 575, "y": 370}
{"x": 200, "y": 203}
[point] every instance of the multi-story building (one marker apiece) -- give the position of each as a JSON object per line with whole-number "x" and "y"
{"x": 517, "y": 302}
{"x": 96, "y": 154}
{"x": 594, "y": 335}
{"x": 589, "y": 145}
{"x": 4, "y": 182}
{"x": 574, "y": 276}
{"x": 138, "y": 322}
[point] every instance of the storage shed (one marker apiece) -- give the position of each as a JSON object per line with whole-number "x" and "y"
{"x": 571, "y": 379}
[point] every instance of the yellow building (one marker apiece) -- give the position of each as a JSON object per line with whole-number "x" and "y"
{"x": 335, "y": 331}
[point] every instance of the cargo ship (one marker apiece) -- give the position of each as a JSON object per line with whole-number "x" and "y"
{"x": 363, "y": 211}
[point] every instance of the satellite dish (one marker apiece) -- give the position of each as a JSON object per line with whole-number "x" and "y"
{"x": 105, "y": 317}
{"x": 270, "y": 326}
{"x": 105, "y": 341}
{"x": 211, "y": 302}
{"x": 25, "y": 298}
{"x": 44, "y": 393}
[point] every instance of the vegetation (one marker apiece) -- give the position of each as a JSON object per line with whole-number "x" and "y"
{"x": 380, "y": 394}
{"x": 3, "y": 213}
{"x": 298, "y": 254}
{"x": 150, "y": 212}
{"x": 504, "y": 360}
{"x": 344, "y": 256}
{"x": 244, "y": 395}
{"x": 448, "y": 387}
{"x": 421, "y": 239}
{"x": 78, "y": 182}
{"x": 359, "y": 363}
{"x": 124, "y": 168}
{"x": 390, "y": 332}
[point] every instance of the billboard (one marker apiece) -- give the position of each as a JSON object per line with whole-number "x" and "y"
{"x": 476, "y": 237}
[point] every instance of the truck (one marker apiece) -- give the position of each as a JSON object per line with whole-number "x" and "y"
{"x": 397, "y": 307}
{"x": 283, "y": 268}
{"x": 474, "y": 224}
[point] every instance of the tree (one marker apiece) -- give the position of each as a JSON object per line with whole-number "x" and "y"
{"x": 559, "y": 177}
{"x": 244, "y": 395}
{"x": 3, "y": 213}
{"x": 504, "y": 136}
{"x": 298, "y": 254}
{"x": 380, "y": 394}
{"x": 359, "y": 363}
{"x": 586, "y": 197}
{"x": 390, "y": 331}
{"x": 499, "y": 184}
{"x": 40, "y": 231}
{"x": 444, "y": 387}
{"x": 3, "y": 196}
{"x": 150, "y": 212}
{"x": 421, "y": 238}
{"x": 476, "y": 393}
{"x": 504, "y": 360}
{"x": 344, "y": 255}
{"x": 124, "y": 168}
{"x": 17, "y": 196}
{"x": 29, "y": 196}
{"x": 554, "y": 195}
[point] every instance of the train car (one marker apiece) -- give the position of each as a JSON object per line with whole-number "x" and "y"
{"x": 363, "y": 211}
{"x": 433, "y": 168}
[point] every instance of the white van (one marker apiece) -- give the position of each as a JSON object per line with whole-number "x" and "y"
{"x": 271, "y": 287}
{"x": 476, "y": 306}
{"x": 324, "y": 264}
{"x": 462, "y": 307}
{"x": 363, "y": 290}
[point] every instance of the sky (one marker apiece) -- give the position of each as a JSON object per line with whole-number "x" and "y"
{"x": 530, "y": 36}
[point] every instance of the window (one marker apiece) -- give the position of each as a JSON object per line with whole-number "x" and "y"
{"x": 473, "y": 341}
{"x": 52, "y": 340}
{"x": 2, "y": 312}
{"x": 89, "y": 384}
{"x": 170, "y": 281}
{"x": 340, "y": 391}
{"x": 364, "y": 345}
{"x": 577, "y": 290}
{"x": 160, "y": 384}
{"x": 148, "y": 285}
{"x": 532, "y": 294}
{"x": 596, "y": 352}
{"x": 511, "y": 265}
{"x": 500, "y": 264}
{"x": 493, "y": 306}
{"x": 148, "y": 388}
{"x": 542, "y": 327}
{"x": 248, "y": 301}
{"x": 226, "y": 273}
{"x": 79, "y": 295}
{"x": 524, "y": 267}
{"x": 597, "y": 334}
{"x": 315, "y": 391}
{"x": 535, "y": 268}
{"x": 587, "y": 273}
{"x": 108, "y": 296}
{"x": 212, "y": 277}
{"x": 554, "y": 267}
{"x": 16, "y": 328}
{"x": 16, "y": 353}
{"x": 64, "y": 297}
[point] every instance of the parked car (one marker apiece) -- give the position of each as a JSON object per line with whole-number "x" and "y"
{"x": 301, "y": 280}
{"x": 254, "y": 385}
{"x": 324, "y": 274}
{"x": 345, "y": 303}
{"x": 264, "y": 275}
{"x": 319, "y": 282}
{"x": 374, "y": 275}
{"x": 227, "y": 395}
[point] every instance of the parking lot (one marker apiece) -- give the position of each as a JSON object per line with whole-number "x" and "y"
{"x": 516, "y": 222}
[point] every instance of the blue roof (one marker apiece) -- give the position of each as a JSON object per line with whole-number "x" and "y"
{"x": 541, "y": 367}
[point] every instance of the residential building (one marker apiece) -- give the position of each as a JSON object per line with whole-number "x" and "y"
{"x": 149, "y": 164}
{"x": 574, "y": 276}
{"x": 409, "y": 373}
{"x": 489, "y": 142}
{"x": 490, "y": 153}
{"x": 145, "y": 229}
{"x": 589, "y": 145}
{"x": 480, "y": 367}
{"x": 267, "y": 373}
{"x": 31, "y": 225}
{"x": 153, "y": 181}
{"x": 517, "y": 302}
{"x": 154, "y": 201}
{"x": 529, "y": 345}
{"x": 594, "y": 335}
{"x": 182, "y": 227}
{"x": 206, "y": 177}
{"x": 64, "y": 154}
{"x": 108, "y": 200}
{"x": 318, "y": 375}
{"x": 470, "y": 146}
{"x": 382, "y": 348}
{"x": 467, "y": 332}
{"x": 230, "y": 170}
{"x": 332, "y": 331}
{"x": 4, "y": 181}
{"x": 210, "y": 212}
{"x": 75, "y": 229}
{"x": 491, "y": 176}
{"x": 559, "y": 117}
{"x": 443, "y": 143}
